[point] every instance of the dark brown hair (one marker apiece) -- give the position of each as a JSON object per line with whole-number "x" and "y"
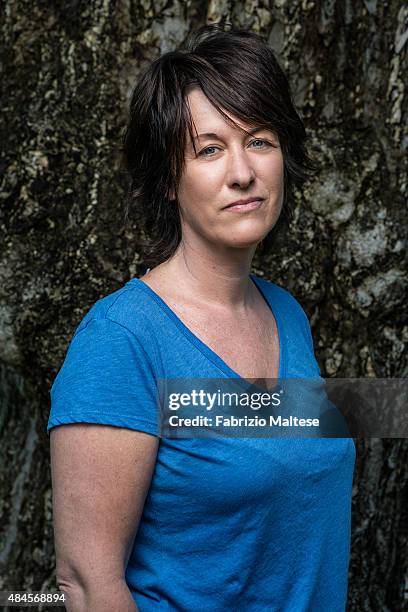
{"x": 238, "y": 73}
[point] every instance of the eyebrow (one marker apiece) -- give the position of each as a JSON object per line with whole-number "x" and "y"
{"x": 214, "y": 135}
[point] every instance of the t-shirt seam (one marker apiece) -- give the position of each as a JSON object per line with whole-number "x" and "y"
{"x": 106, "y": 318}
{"x": 160, "y": 530}
{"x": 154, "y": 369}
{"x": 122, "y": 291}
{"x": 109, "y": 414}
{"x": 130, "y": 419}
{"x": 125, "y": 290}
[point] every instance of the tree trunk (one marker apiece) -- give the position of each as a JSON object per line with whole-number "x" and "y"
{"x": 68, "y": 69}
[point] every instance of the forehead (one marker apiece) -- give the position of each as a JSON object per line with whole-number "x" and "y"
{"x": 206, "y": 117}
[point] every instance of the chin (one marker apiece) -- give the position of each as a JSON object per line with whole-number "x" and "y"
{"x": 249, "y": 236}
{"x": 245, "y": 239}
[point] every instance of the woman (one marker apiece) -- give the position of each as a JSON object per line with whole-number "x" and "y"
{"x": 213, "y": 147}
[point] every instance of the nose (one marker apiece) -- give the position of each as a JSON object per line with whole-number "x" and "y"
{"x": 240, "y": 170}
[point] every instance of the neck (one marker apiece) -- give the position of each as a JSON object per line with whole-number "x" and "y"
{"x": 217, "y": 278}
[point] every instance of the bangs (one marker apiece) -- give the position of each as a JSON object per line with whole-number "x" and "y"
{"x": 239, "y": 75}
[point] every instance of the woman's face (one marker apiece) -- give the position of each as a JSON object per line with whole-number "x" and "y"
{"x": 229, "y": 166}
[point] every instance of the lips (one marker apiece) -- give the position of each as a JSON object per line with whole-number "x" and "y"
{"x": 244, "y": 206}
{"x": 243, "y": 202}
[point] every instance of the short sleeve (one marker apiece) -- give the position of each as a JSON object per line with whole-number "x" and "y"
{"x": 106, "y": 378}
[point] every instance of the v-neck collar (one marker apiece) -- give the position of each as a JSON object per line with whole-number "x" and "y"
{"x": 203, "y": 347}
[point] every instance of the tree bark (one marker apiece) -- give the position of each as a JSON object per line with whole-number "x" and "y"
{"x": 68, "y": 70}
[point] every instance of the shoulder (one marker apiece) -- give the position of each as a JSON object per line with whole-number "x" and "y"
{"x": 111, "y": 338}
{"x": 108, "y": 375}
{"x": 283, "y": 299}
{"x": 289, "y": 310}
{"x": 295, "y": 325}
{"x": 120, "y": 323}
{"x": 126, "y": 307}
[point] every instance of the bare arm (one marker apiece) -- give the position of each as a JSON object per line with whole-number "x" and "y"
{"x": 100, "y": 478}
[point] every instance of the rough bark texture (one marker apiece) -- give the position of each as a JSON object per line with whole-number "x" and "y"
{"x": 67, "y": 72}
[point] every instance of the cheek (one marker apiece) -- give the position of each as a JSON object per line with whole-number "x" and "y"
{"x": 273, "y": 174}
{"x": 199, "y": 186}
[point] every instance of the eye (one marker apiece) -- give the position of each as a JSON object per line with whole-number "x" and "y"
{"x": 263, "y": 142}
{"x": 203, "y": 152}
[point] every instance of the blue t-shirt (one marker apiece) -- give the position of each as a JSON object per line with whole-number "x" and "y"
{"x": 249, "y": 524}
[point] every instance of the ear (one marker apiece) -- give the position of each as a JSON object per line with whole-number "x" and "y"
{"x": 172, "y": 195}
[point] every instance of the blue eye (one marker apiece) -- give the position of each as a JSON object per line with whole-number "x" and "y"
{"x": 263, "y": 143}
{"x": 206, "y": 149}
